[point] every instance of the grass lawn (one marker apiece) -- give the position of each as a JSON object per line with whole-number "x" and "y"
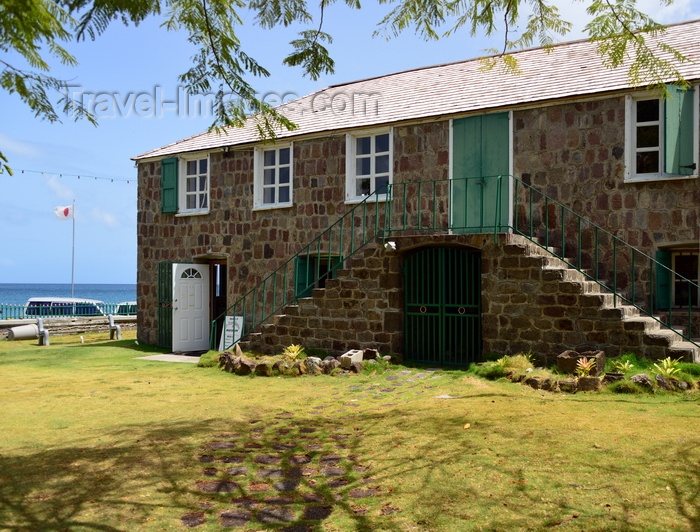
{"x": 92, "y": 438}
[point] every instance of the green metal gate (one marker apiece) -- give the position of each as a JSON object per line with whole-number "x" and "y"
{"x": 165, "y": 305}
{"x": 442, "y": 291}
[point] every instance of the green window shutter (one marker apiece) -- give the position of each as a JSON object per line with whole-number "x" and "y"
{"x": 663, "y": 279}
{"x": 678, "y": 131}
{"x": 168, "y": 185}
{"x": 304, "y": 276}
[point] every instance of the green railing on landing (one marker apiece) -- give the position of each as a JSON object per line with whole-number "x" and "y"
{"x": 471, "y": 205}
{"x": 307, "y": 269}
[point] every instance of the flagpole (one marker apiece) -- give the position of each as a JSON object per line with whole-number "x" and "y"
{"x": 72, "y": 267}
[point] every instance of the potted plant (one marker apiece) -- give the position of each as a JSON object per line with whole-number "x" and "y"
{"x": 587, "y": 383}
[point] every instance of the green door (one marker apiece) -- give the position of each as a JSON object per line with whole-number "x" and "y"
{"x": 480, "y": 199}
{"x": 165, "y": 305}
{"x": 442, "y": 292}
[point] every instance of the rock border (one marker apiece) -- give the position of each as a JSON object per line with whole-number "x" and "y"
{"x": 353, "y": 361}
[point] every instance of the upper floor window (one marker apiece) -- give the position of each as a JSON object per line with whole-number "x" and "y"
{"x": 661, "y": 139}
{"x": 369, "y": 164}
{"x": 194, "y": 189}
{"x": 185, "y": 185}
{"x": 273, "y": 177}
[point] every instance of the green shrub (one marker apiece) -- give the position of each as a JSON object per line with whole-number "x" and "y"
{"x": 492, "y": 356}
{"x": 519, "y": 361}
{"x": 380, "y": 367}
{"x": 622, "y": 366}
{"x": 625, "y": 386}
{"x": 690, "y": 368}
{"x": 489, "y": 370}
{"x": 210, "y": 359}
{"x": 584, "y": 366}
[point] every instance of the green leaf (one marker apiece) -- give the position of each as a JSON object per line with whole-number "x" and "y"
{"x": 310, "y": 54}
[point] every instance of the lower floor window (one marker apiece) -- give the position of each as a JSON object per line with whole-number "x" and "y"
{"x": 677, "y": 276}
{"x": 313, "y": 270}
{"x": 685, "y": 266}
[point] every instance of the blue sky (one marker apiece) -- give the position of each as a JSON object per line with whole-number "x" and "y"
{"x": 128, "y": 72}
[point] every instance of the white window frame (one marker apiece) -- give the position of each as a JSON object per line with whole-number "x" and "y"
{"x": 631, "y": 137}
{"x": 182, "y": 185}
{"x": 351, "y": 164}
{"x": 259, "y": 171}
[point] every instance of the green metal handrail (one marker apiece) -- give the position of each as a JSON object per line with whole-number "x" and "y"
{"x": 323, "y": 256}
{"x": 419, "y": 207}
{"x": 629, "y": 274}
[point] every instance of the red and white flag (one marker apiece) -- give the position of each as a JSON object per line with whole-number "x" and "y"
{"x": 64, "y": 213}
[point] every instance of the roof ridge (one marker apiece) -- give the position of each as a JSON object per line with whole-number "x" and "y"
{"x": 414, "y": 94}
{"x": 483, "y": 57}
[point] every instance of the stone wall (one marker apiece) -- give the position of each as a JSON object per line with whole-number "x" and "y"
{"x": 575, "y": 154}
{"x": 256, "y": 242}
{"x": 361, "y": 309}
{"x": 531, "y": 303}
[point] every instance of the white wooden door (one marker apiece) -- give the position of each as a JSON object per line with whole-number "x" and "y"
{"x": 190, "y": 307}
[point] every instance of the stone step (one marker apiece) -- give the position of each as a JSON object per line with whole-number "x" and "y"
{"x": 686, "y": 351}
{"x": 292, "y": 310}
{"x": 641, "y": 323}
{"x": 661, "y": 337}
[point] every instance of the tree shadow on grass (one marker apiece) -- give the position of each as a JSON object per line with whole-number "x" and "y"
{"x": 686, "y": 492}
{"x": 517, "y": 502}
{"x": 55, "y": 489}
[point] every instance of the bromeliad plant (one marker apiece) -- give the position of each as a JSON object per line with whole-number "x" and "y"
{"x": 293, "y": 352}
{"x": 622, "y": 366}
{"x": 668, "y": 367}
{"x": 584, "y": 366}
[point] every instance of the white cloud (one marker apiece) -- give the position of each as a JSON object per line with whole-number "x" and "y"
{"x": 678, "y": 11}
{"x": 575, "y": 12}
{"x": 60, "y": 189}
{"x": 104, "y": 217}
{"x": 13, "y": 146}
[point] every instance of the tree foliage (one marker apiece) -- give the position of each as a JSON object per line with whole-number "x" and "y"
{"x": 33, "y": 32}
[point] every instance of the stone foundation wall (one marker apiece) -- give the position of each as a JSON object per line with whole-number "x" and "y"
{"x": 361, "y": 309}
{"x": 530, "y": 303}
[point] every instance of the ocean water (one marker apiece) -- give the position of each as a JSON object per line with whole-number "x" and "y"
{"x": 18, "y": 294}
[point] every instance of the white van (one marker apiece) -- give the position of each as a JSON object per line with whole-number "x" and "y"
{"x": 63, "y": 306}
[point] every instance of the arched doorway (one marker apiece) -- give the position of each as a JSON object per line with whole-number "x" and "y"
{"x": 442, "y": 293}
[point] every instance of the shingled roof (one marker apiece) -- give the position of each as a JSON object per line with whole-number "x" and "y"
{"x": 568, "y": 70}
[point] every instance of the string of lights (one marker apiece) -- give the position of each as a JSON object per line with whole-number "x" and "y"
{"x": 79, "y": 176}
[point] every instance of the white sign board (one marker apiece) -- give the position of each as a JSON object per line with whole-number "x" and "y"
{"x": 233, "y": 327}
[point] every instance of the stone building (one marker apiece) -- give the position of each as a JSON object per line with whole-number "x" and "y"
{"x": 442, "y": 213}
